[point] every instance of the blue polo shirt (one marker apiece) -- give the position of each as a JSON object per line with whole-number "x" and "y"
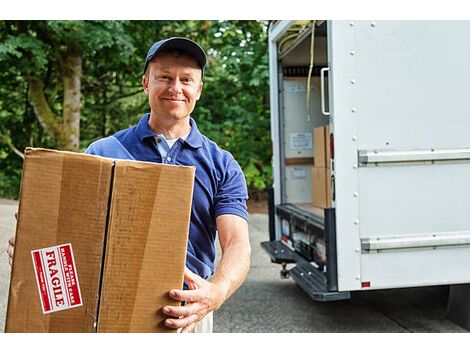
{"x": 219, "y": 186}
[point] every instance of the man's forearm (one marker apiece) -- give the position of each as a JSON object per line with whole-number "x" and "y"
{"x": 233, "y": 268}
{"x": 235, "y": 261}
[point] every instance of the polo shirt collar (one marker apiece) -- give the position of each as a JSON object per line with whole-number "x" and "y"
{"x": 195, "y": 137}
{"x": 144, "y": 131}
{"x": 143, "y": 128}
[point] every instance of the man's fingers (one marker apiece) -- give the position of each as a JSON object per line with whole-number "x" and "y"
{"x": 191, "y": 277}
{"x": 189, "y": 328}
{"x": 11, "y": 240}
{"x": 16, "y": 215}
{"x": 185, "y": 295}
{"x": 182, "y": 311}
{"x": 181, "y": 323}
{"x": 191, "y": 284}
{"x": 10, "y": 251}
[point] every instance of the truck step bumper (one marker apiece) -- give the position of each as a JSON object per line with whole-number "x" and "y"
{"x": 279, "y": 252}
{"x": 313, "y": 282}
{"x": 308, "y": 277}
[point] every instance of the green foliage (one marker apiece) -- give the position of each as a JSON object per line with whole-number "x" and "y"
{"x": 233, "y": 110}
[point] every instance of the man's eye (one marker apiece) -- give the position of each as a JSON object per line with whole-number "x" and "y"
{"x": 187, "y": 80}
{"x": 164, "y": 78}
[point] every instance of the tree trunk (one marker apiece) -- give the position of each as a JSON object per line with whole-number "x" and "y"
{"x": 47, "y": 119}
{"x": 71, "y": 112}
{"x": 66, "y": 133}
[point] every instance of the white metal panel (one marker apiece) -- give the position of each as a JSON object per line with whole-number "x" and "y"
{"x": 414, "y": 267}
{"x": 398, "y": 200}
{"x": 412, "y": 84}
{"x": 411, "y": 94}
{"x": 342, "y": 107}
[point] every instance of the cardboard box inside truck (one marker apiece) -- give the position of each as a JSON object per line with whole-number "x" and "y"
{"x": 321, "y": 171}
{"x": 321, "y": 187}
{"x": 99, "y": 243}
{"x": 321, "y": 147}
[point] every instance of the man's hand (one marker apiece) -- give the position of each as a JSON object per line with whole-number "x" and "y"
{"x": 202, "y": 298}
{"x": 11, "y": 245}
{"x": 11, "y": 248}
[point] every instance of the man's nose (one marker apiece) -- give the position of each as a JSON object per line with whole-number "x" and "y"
{"x": 175, "y": 87}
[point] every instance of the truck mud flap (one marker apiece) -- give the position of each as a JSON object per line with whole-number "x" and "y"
{"x": 309, "y": 278}
{"x": 458, "y": 306}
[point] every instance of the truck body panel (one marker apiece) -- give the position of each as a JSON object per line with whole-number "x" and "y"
{"x": 394, "y": 97}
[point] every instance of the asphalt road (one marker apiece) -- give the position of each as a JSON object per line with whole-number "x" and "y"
{"x": 265, "y": 303}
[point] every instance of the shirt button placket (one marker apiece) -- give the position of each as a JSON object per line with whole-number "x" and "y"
{"x": 174, "y": 152}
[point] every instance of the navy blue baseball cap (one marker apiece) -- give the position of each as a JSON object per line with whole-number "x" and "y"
{"x": 187, "y": 45}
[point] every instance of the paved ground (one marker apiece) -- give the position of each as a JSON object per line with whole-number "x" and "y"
{"x": 265, "y": 303}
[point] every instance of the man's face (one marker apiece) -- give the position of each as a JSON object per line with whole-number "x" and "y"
{"x": 173, "y": 85}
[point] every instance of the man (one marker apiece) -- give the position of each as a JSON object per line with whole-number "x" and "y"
{"x": 172, "y": 80}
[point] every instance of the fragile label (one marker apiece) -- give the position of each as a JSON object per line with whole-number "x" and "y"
{"x": 57, "y": 279}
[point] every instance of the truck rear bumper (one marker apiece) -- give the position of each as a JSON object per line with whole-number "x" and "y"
{"x": 308, "y": 277}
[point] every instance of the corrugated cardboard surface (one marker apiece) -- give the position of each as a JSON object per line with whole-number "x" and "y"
{"x": 321, "y": 147}
{"x": 321, "y": 187}
{"x": 64, "y": 199}
{"x": 146, "y": 248}
{"x": 327, "y": 147}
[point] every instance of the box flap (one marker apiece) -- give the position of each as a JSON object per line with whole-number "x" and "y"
{"x": 146, "y": 246}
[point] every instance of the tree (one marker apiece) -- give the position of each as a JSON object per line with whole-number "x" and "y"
{"x": 64, "y": 84}
{"x": 234, "y": 109}
{"x": 46, "y": 52}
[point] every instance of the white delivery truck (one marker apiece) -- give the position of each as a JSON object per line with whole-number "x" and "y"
{"x": 396, "y": 98}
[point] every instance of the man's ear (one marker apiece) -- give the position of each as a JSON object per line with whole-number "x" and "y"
{"x": 145, "y": 84}
{"x": 199, "y": 91}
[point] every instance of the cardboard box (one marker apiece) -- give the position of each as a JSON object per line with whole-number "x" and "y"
{"x": 321, "y": 147}
{"x": 321, "y": 187}
{"x": 104, "y": 239}
{"x": 327, "y": 147}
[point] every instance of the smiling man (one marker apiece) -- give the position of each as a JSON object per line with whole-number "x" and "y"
{"x": 172, "y": 80}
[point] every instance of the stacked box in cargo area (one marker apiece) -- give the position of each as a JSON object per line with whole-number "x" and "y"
{"x": 321, "y": 170}
{"x": 99, "y": 243}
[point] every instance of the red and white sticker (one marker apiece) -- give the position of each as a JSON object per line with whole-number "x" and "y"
{"x": 57, "y": 278}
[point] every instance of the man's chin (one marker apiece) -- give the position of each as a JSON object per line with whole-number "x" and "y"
{"x": 177, "y": 116}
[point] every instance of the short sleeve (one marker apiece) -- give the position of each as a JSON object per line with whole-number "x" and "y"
{"x": 232, "y": 192}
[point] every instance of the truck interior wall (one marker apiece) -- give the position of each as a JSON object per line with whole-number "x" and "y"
{"x": 297, "y": 126}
